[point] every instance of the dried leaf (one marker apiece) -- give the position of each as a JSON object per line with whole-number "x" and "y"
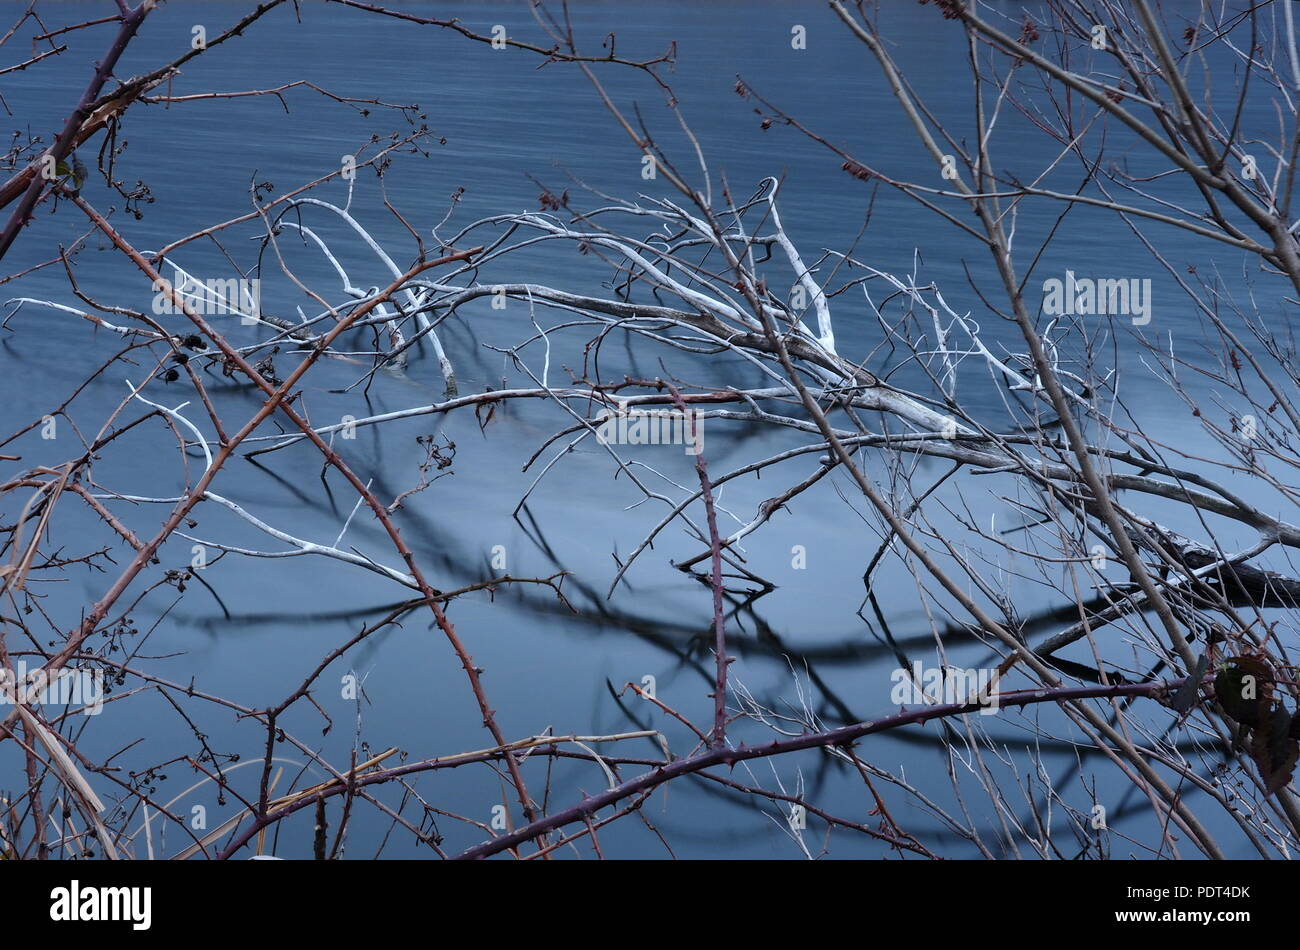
{"x": 1273, "y": 749}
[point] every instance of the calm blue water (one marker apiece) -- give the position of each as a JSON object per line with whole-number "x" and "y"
{"x": 499, "y": 123}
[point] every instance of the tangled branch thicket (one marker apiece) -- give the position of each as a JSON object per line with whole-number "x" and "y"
{"x": 1168, "y": 659}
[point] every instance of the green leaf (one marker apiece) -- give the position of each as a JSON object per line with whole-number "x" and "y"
{"x": 1245, "y": 689}
{"x": 1185, "y": 698}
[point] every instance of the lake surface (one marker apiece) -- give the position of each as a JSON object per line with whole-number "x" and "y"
{"x": 500, "y": 126}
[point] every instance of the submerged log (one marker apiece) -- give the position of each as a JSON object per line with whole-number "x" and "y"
{"x": 1241, "y": 584}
